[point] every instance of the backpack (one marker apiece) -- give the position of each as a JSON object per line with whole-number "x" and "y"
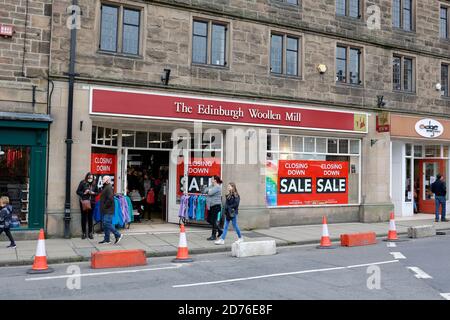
{"x": 150, "y": 196}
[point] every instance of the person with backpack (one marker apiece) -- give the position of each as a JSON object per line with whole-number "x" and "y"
{"x": 6, "y": 211}
{"x": 231, "y": 209}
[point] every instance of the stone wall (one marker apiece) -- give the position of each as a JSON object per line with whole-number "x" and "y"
{"x": 18, "y": 75}
{"x": 167, "y": 44}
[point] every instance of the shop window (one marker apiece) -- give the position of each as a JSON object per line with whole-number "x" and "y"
{"x": 408, "y": 150}
{"x": 285, "y": 143}
{"x": 343, "y": 146}
{"x": 141, "y": 139}
{"x": 321, "y": 145}
{"x": 297, "y": 144}
{"x": 94, "y": 135}
{"x": 417, "y": 151}
{"x": 166, "y": 140}
{"x": 354, "y": 146}
{"x": 310, "y": 144}
{"x": 128, "y": 138}
{"x": 332, "y": 146}
{"x": 433, "y": 151}
{"x": 15, "y": 182}
{"x": 408, "y": 182}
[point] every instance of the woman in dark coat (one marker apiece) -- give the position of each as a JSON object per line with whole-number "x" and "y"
{"x": 87, "y": 190}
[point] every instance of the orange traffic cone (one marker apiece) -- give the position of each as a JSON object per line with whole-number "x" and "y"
{"x": 325, "y": 242}
{"x": 40, "y": 259}
{"x": 183, "y": 254}
{"x": 392, "y": 234}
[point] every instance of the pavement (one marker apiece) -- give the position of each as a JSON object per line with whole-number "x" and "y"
{"x": 161, "y": 240}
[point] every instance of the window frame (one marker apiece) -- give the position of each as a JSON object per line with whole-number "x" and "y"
{"x": 443, "y": 95}
{"x": 402, "y": 12}
{"x": 447, "y": 8}
{"x": 138, "y": 26}
{"x": 348, "y": 48}
{"x": 402, "y": 73}
{"x": 120, "y": 29}
{"x": 284, "y": 50}
{"x": 209, "y": 40}
{"x": 347, "y": 10}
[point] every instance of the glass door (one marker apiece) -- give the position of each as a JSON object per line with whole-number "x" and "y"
{"x": 178, "y": 175}
{"x": 429, "y": 169}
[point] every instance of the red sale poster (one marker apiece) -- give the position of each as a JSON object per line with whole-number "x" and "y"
{"x": 310, "y": 182}
{"x": 200, "y": 171}
{"x": 103, "y": 164}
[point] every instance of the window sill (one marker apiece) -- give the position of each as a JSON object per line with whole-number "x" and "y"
{"x": 213, "y": 66}
{"x": 285, "y": 76}
{"x": 445, "y": 40}
{"x": 350, "y": 19}
{"x": 285, "y": 4}
{"x": 406, "y": 32}
{"x": 411, "y": 93}
{"x": 350, "y": 85}
{"x": 122, "y": 55}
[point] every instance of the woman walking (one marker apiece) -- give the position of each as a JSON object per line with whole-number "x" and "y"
{"x": 214, "y": 205}
{"x": 87, "y": 191}
{"x": 231, "y": 212}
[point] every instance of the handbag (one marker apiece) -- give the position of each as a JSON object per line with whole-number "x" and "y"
{"x": 86, "y": 205}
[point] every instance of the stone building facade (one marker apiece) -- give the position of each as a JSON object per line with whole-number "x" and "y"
{"x": 166, "y": 42}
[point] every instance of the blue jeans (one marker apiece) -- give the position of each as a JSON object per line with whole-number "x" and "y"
{"x": 440, "y": 200}
{"x": 235, "y": 226}
{"x": 108, "y": 227}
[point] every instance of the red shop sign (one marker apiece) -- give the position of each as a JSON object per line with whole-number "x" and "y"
{"x": 190, "y": 108}
{"x": 200, "y": 171}
{"x": 312, "y": 182}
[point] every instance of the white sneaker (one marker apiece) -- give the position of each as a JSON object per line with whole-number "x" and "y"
{"x": 220, "y": 241}
{"x": 239, "y": 240}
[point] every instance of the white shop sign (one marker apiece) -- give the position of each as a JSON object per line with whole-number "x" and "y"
{"x": 429, "y": 128}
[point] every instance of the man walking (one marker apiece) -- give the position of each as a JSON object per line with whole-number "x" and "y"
{"x": 107, "y": 210}
{"x": 440, "y": 191}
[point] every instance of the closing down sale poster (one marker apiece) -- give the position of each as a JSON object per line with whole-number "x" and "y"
{"x": 302, "y": 182}
{"x": 200, "y": 173}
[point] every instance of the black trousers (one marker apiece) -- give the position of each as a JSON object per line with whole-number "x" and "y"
{"x": 212, "y": 219}
{"x": 86, "y": 218}
{"x": 8, "y": 234}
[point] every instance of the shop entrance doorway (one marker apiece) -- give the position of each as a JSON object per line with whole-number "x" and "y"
{"x": 146, "y": 183}
{"x": 425, "y": 171}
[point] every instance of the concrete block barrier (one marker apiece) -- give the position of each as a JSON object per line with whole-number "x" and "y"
{"x": 421, "y": 231}
{"x": 118, "y": 259}
{"x": 358, "y": 239}
{"x": 254, "y": 248}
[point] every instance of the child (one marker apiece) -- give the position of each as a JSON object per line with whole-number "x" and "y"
{"x": 5, "y": 219}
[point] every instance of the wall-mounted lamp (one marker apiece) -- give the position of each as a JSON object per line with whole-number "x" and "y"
{"x": 165, "y": 77}
{"x": 438, "y": 87}
{"x": 373, "y": 141}
{"x": 81, "y": 125}
{"x": 380, "y": 101}
{"x": 322, "y": 68}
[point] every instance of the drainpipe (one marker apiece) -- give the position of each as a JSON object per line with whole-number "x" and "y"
{"x": 69, "y": 140}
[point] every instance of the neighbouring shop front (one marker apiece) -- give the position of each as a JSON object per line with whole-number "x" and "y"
{"x": 281, "y": 156}
{"x": 420, "y": 151}
{"x": 23, "y": 167}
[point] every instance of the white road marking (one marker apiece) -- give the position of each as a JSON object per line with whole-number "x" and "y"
{"x": 419, "y": 273}
{"x": 391, "y": 245}
{"x": 279, "y": 274}
{"x": 446, "y": 296}
{"x": 398, "y": 255}
{"x": 176, "y": 266}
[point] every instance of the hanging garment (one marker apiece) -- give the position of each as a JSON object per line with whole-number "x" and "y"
{"x": 184, "y": 206}
{"x": 123, "y": 208}
{"x": 97, "y": 214}
{"x": 130, "y": 208}
{"x": 200, "y": 209}
{"x": 117, "y": 218}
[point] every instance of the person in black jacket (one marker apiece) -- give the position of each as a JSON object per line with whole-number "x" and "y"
{"x": 440, "y": 191}
{"x": 107, "y": 210}
{"x": 6, "y": 211}
{"x": 231, "y": 209}
{"x": 87, "y": 190}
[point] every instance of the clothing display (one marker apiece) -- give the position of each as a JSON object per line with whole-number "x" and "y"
{"x": 193, "y": 207}
{"x": 123, "y": 211}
